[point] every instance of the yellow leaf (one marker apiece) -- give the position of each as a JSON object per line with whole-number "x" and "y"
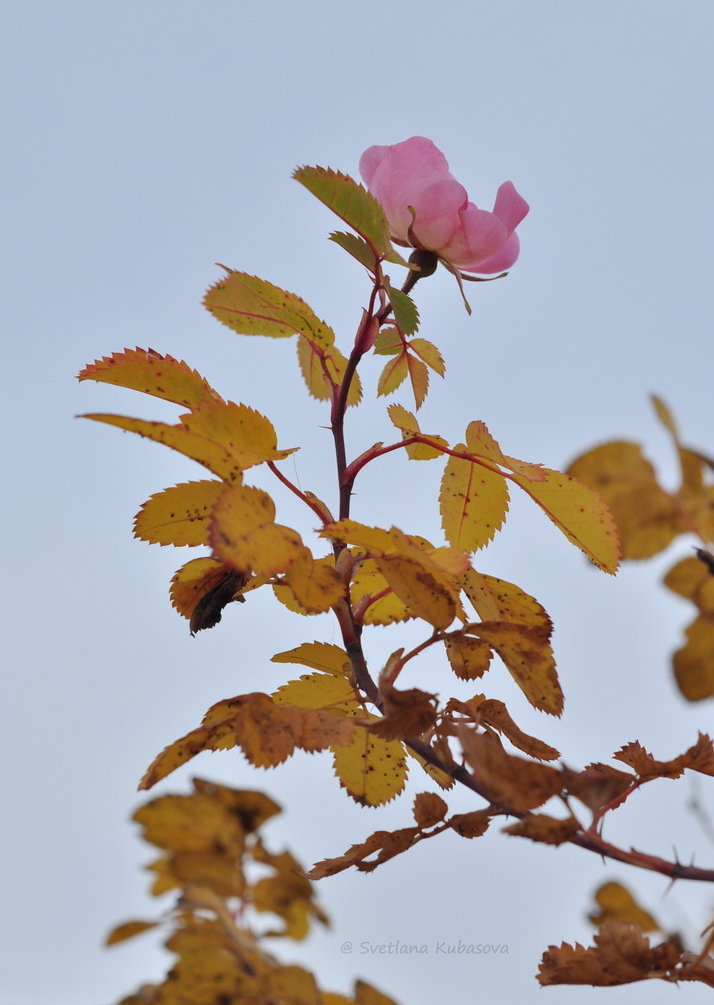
{"x": 386, "y": 610}
{"x": 691, "y": 578}
{"x": 389, "y": 341}
{"x": 316, "y": 585}
{"x": 218, "y": 735}
{"x": 616, "y": 901}
{"x": 420, "y": 591}
{"x": 178, "y": 515}
{"x": 350, "y": 531}
{"x": 468, "y": 657}
{"x": 480, "y": 443}
{"x": 497, "y": 600}
{"x": 127, "y": 931}
{"x": 252, "y": 306}
{"x": 646, "y": 516}
{"x": 372, "y": 770}
{"x": 196, "y": 823}
{"x": 208, "y": 868}
{"x": 419, "y": 377}
{"x": 407, "y": 423}
{"x": 473, "y": 503}
{"x": 148, "y": 371}
{"x": 211, "y": 455}
{"x": 393, "y": 374}
{"x": 319, "y": 655}
{"x": 244, "y": 537}
{"x": 247, "y": 435}
{"x": 694, "y": 663}
{"x": 430, "y": 354}
{"x": 580, "y": 513}
{"x": 529, "y": 659}
{"x": 318, "y": 690}
{"x": 324, "y": 369}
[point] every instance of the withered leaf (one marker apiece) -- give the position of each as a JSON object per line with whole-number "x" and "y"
{"x": 511, "y": 781}
{"x": 596, "y": 785}
{"x": 544, "y": 828}
{"x": 470, "y": 825}
{"x": 209, "y": 610}
{"x": 429, "y": 809}
{"x": 699, "y": 757}
{"x": 383, "y": 844}
{"x": 406, "y": 713}
{"x": 621, "y": 955}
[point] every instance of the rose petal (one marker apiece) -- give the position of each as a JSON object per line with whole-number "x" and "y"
{"x": 479, "y": 236}
{"x": 510, "y": 207}
{"x": 503, "y": 260}
{"x": 397, "y": 175}
{"x": 437, "y": 212}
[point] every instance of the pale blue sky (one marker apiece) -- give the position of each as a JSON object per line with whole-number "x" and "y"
{"x": 143, "y": 143}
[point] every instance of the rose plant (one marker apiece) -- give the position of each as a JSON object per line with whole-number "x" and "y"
{"x": 375, "y": 728}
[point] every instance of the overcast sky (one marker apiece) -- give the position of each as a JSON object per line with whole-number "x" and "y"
{"x": 143, "y": 142}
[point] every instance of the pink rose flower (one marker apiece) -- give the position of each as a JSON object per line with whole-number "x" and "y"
{"x": 416, "y": 174}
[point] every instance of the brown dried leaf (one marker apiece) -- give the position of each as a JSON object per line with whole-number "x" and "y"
{"x": 511, "y": 781}
{"x": 699, "y": 757}
{"x": 528, "y": 657}
{"x": 429, "y": 809}
{"x": 383, "y": 844}
{"x": 596, "y": 785}
{"x": 621, "y": 955}
{"x": 492, "y": 712}
{"x": 543, "y": 828}
{"x": 406, "y": 714}
{"x": 470, "y": 825}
